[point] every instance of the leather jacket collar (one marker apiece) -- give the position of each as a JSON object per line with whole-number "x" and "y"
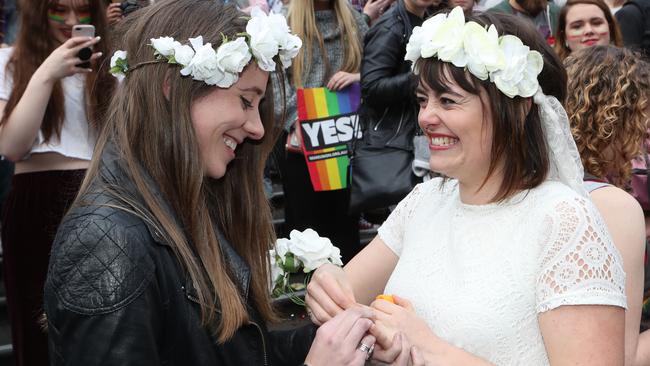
{"x": 113, "y": 174}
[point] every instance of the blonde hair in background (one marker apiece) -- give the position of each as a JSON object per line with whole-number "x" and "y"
{"x": 608, "y": 108}
{"x": 302, "y": 21}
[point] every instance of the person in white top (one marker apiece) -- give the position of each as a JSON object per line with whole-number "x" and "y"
{"x": 505, "y": 261}
{"x": 48, "y": 106}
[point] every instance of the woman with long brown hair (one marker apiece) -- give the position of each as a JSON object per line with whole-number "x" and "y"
{"x": 51, "y": 105}
{"x": 163, "y": 258}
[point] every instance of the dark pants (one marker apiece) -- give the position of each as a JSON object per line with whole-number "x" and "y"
{"x": 326, "y": 212}
{"x": 31, "y": 214}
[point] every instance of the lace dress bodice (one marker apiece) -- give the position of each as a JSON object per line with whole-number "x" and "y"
{"x": 480, "y": 275}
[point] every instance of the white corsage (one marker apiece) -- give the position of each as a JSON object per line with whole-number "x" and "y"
{"x": 266, "y": 37}
{"x": 505, "y": 60}
{"x": 303, "y": 252}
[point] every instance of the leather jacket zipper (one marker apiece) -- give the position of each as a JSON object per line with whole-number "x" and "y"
{"x": 263, "y": 341}
{"x": 399, "y": 127}
{"x": 381, "y": 119}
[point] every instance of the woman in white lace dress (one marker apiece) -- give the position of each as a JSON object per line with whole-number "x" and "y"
{"x": 506, "y": 261}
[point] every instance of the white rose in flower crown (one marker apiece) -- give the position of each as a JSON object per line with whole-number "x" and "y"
{"x": 118, "y": 64}
{"x": 164, "y": 45}
{"x": 529, "y": 84}
{"x": 414, "y": 46}
{"x": 183, "y": 54}
{"x": 448, "y": 38}
{"x": 289, "y": 49}
{"x": 482, "y": 48}
{"x": 263, "y": 43}
{"x": 508, "y": 78}
{"x": 233, "y": 56}
{"x": 203, "y": 65}
{"x": 312, "y": 250}
{"x": 429, "y": 48}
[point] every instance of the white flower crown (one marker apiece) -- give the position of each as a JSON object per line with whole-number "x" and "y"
{"x": 509, "y": 64}
{"x": 266, "y": 36}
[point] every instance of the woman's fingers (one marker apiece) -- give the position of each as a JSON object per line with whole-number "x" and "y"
{"x": 416, "y": 357}
{"x": 364, "y": 350}
{"x": 316, "y": 313}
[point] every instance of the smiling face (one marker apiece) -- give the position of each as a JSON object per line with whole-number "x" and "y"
{"x": 459, "y": 129}
{"x": 62, "y": 15}
{"x": 586, "y": 26}
{"x": 224, "y": 118}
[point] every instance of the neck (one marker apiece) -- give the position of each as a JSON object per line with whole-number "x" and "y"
{"x": 472, "y": 193}
{"x": 413, "y": 9}
{"x": 323, "y": 5}
{"x": 516, "y": 6}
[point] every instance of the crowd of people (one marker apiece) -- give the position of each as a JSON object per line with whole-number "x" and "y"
{"x": 136, "y": 223}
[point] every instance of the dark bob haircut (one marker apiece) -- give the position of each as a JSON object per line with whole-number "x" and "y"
{"x": 519, "y": 146}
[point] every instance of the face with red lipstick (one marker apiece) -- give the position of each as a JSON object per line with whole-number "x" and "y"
{"x": 224, "y": 118}
{"x": 586, "y": 26}
{"x": 459, "y": 129}
{"x": 62, "y": 15}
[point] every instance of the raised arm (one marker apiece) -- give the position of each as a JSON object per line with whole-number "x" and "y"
{"x": 18, "y": 133}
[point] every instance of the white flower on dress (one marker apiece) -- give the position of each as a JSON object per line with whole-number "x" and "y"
{"x": 164, "y": 46}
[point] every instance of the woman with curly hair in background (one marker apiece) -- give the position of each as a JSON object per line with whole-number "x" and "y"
{"x": 608, "y": 110}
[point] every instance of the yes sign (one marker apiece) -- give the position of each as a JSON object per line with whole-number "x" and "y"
{"x": 331, "y": 131}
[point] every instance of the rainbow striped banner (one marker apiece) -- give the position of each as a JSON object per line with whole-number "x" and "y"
{"x": 328, "y": 120}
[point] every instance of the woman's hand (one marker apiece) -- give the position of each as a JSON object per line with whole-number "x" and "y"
{"x": 391, "y": 319}
{"x": 343, "y": 340}
{"x": 63, "y": 61}
{"x": 113, "y": 13}
{"x": 400, "y": 353}
{"x": 342, "y": 79}
{"x": 375, "y": 8}
{"x": 328, "y": 293}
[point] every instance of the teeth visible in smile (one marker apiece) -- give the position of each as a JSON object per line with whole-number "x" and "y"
{"x": 230, "y": 143}
{"x": 443, "y": 141}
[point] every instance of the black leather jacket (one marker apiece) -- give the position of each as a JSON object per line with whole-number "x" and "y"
{"x": 387, "y": 84}
{"x": 115, "y": 294}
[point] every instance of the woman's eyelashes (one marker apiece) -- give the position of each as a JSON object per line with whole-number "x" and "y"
{"x": 246, "y": 104}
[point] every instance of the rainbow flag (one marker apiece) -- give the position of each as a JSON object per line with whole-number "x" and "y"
{"x": 328, "y": 121}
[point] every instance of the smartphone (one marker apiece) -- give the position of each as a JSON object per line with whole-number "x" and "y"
{"x": 84, "y": 30}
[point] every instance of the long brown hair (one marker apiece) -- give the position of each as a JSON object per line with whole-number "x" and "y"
{"x": 518, "y": 143}
{"x": 608, "y": 109}
{"x": 31, "y": 49}
{"x": 614, "y": 32}
{"x": 302, "y": 21}
{"x": 154, "y": 133}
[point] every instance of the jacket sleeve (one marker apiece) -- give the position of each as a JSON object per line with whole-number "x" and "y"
{"x": 290, "y": 347}
{"x": 101, "y": 299}
{"x": 381, "y": 81}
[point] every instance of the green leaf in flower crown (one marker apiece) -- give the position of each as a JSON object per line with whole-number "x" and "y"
{"x": 172, "y": 60}
{"x": 116, "y": 70}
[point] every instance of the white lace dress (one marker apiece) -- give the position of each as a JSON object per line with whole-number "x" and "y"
{"x": 479, "y": 275}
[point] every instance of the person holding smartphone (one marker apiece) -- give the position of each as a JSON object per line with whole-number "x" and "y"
{"x": 51, "y": 105}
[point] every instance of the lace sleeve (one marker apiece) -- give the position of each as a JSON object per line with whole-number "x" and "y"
{"x": 579, "y": 263}
{"x": 392, "y": 230}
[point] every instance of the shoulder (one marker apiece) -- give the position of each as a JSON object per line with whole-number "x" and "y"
{"x": 101, "y": 259}
{"x": 616, "y": 200}
{"x": 390, "y": 23}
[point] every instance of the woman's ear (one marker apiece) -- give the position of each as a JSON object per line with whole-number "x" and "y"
{"x": 166, "y": 87}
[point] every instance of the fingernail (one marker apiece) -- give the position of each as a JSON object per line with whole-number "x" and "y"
{"x": 98, "y": 38}
{"x": 99, "y": 54}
